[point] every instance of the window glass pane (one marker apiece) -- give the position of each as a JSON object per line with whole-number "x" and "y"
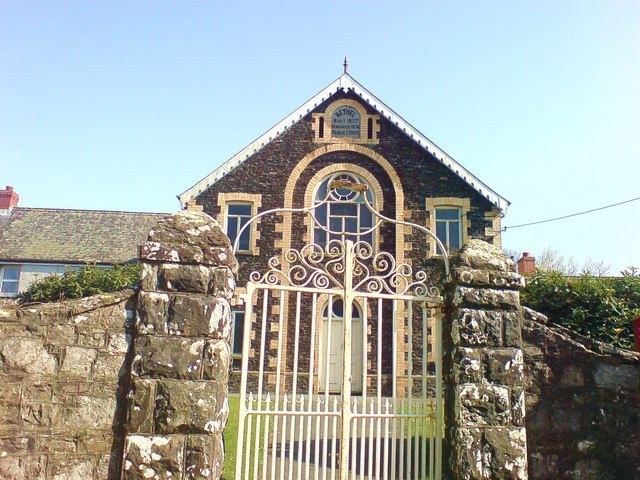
{"x": 335, "y": 225}
{"x": 338, "y": 308}
{"x": 322, "y": 191}
{"x": 11, "y": 273}
{"x": 232, "y": 228}
{"x": 320, "y": 237}
{"x": 447, "y": 214}
{"x": 238, "y": 329}
{"x": 351, "y": 225}
{"x": 441, "y": 231}
{"x": 366, "y": 218}
{"x": 344, "y": 209}
{"x": 243, "y": 244}
{"x": 10, "y": 287}
{"x": 243, "y": 209}
{"x": 454, "y": 235}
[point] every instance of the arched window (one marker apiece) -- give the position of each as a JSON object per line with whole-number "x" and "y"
{"x": 344, "y": 212}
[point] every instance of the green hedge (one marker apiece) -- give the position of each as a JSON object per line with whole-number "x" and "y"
{"x": 84, "y": 282}
{"x": 598, "y": 307}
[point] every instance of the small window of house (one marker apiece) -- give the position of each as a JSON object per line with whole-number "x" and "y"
{"x": 448, "y": 227}
{"x": 237, "y": 334}
{"x": 9, "y": 280}
{"x": 238, "y": 214}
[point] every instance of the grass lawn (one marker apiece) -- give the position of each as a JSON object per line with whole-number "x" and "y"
{"x": 231, "y": 439}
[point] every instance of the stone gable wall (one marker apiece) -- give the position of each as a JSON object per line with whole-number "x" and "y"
{"x": 64, "y": 370}
{"x": 583, "y": 405}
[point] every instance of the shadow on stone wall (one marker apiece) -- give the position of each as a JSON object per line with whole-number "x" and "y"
{"x": 583, "y": 405}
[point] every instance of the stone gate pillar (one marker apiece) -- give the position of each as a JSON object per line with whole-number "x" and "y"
{"x": 178, "y": 403}
{"x": 483, "y": 365}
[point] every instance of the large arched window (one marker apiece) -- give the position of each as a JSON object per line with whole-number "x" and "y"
{"x": 344, "y": 212}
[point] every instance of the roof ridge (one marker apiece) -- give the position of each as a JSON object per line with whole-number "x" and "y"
{"x": 87, "y": 210}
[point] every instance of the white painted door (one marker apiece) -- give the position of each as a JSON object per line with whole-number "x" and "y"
{"x": 331, "y": 355}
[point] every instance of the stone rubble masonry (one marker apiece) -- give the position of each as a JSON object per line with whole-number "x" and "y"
{"x": 484, "y": 367}
{"x": 64, "y": 373}
{"x": 583, "y": 405}
{"x": 178, "y": 402}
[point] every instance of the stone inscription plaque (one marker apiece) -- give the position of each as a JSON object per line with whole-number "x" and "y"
{"x": 345, "y": 122}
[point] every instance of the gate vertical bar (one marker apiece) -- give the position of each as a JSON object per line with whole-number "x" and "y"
{"x": 246, "y": 345}
{"x": 345, "y": 433}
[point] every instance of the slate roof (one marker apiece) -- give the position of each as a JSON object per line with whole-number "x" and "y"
{"x": 47, "y": 235}
{"x": 345, "y": 82}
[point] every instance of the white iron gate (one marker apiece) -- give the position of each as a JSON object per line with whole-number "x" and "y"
{"x": 341, "y": 369}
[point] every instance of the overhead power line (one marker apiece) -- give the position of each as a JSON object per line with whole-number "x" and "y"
{"x": 571, "y": 215}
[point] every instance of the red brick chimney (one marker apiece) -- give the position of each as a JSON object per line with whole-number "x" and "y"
{"x": 8, "y": 198}
{"x": 527, "y": 264}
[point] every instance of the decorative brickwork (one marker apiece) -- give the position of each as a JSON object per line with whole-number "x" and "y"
{"x": 178, "y": 402}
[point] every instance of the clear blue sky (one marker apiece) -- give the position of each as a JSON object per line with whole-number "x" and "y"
{"x": 124, "y": 105}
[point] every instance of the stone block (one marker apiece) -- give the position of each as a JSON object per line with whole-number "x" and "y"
{"x": 184, "y": 278}
{"x": 92, "y": 443}
{"x": 26, "y": 355}
{"x": 190, "y": 407}
{"x": 109, "y": 367}
{"x": 217, "y": 360}
{"x": 17, "y": 445}
{"x": 204, "y": 456}
{"x": 88, "y": 337}
{"x": 37, "y": 409}
{"x": 504, "y": 453}
{"x": 10, "y": 404}
{"x": 77, "y": 361}
{"x": 30, "y": 467}
{"x": 512, "y": 322}
{"x": 66, "y": 468}
{"x": 168, "y": 357}
{"x": 518, "y": 406}
{"x": 199, "y": 315}
{"x": 467, "y": 365}
{"x": 90, "y": 413}
{"x": 465, "y": 458}
{"x": 479, "y": 255}
{"x": 61, "y": 335}
{"x": 483, "y": 405}
{"x": 572, "y": 376}
{"x": 477, "y": 327}
{"x": 223, "y": 282}
{"x": 141, "y": 405}
{"x": 118, "y": 342}
{"x": 504, "y": 366}
{"x": 149, "y": 277}
{"x": 617, "y": 377}
{"x": 486, "y": 298}
{"x": 153, "y": 457}
{"x": 153, "y": 308}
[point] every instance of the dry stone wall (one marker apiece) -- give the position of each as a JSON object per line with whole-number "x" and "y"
{"x": 63, "y": 381}
{"x": 583, "y": 405}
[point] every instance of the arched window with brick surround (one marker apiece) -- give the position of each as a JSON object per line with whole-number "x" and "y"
{"x": 344, "y": 212}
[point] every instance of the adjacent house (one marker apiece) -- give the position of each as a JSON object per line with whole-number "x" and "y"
{"x": 35, "y": 242}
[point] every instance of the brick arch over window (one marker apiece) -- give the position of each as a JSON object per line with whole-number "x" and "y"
{"x": 322, "y": 174}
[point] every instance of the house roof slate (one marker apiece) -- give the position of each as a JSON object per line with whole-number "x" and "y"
{"x": 346, "y": 83}
{"x": 47, "y": 235}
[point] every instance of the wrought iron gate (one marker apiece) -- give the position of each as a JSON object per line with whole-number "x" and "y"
{"x": 341, "y": 368}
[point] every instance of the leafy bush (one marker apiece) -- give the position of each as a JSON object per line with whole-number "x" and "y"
{"x": 88, "y": 280}
{"x": 598, "y": 307}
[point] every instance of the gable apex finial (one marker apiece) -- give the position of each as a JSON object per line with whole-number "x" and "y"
{"x": 346, "y": 64}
